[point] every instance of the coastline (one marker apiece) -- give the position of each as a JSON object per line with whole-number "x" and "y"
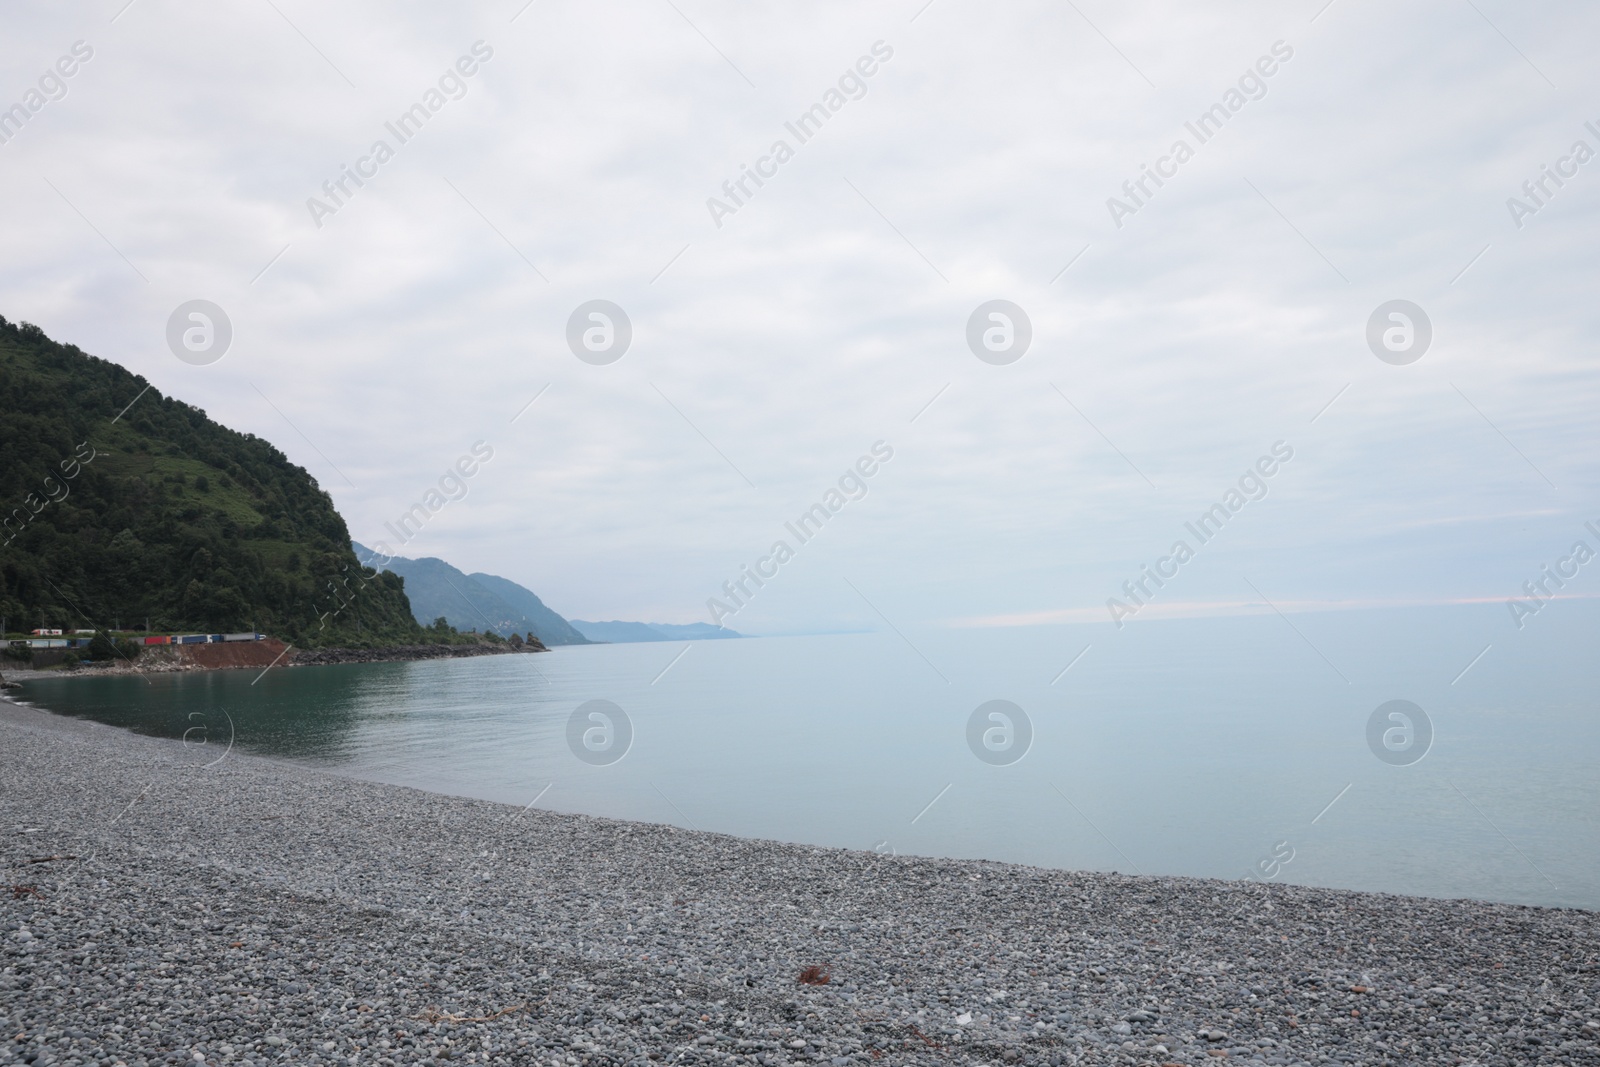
{"x": 262, "y": 912}
{"x": 259, "y": 655}
{"x": 399, "y": 653}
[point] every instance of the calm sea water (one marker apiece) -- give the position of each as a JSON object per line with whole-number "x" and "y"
{"x": 1236, "y": 747}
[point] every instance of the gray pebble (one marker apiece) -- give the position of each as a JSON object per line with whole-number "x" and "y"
{"x": 266, "y": 914}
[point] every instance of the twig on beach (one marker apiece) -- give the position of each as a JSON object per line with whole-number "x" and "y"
{"x": 815, "y": 975}
{"x": 49, "y": 859}
{"x": 20, "y": 891}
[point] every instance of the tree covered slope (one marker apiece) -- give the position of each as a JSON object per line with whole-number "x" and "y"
{"x": 161, "y": 513}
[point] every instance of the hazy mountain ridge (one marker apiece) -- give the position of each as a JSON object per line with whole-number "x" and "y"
{"x": 615, "y": 632}
{"x": 484, "y": 602}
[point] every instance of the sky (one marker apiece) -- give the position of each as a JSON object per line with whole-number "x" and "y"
{"x": 1178, "y": 334}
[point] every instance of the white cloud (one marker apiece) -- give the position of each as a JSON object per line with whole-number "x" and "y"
{"x": 807, "y": 327}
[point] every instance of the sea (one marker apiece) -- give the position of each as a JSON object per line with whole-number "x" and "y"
{"x": 1433, "y": 751}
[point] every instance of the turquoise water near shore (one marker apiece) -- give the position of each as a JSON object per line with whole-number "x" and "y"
{"x": 1231, "y": 747}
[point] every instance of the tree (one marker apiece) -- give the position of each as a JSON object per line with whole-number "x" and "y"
{"x": 101, "y": 647}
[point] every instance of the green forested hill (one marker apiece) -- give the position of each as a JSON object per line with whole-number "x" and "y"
{"x": 164, "y": 514}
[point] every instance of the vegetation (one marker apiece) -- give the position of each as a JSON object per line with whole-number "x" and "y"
{"x": 159, "y": 513}
{"x": 101, "y": 647}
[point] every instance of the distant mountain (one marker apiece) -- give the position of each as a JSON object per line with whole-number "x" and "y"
{"x": 623, "y": 632}
{"x": 694, "y": 631}
{"x": 482, "y": 602}
{"x": 524, "y": 601}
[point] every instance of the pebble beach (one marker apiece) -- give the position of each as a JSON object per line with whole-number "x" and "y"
{"x": 165, "y": 903}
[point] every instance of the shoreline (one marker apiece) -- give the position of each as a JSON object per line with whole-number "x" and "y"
{"x": 263, "y": 912}
{"x": 187, "y": 659}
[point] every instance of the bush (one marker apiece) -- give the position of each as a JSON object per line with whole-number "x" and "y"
{"x": 101, "y": 647}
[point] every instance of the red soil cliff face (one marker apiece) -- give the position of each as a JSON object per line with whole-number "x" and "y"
{"x": 232, "y": 653}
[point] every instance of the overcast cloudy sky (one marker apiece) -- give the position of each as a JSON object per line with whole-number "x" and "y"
{"x": 1176, "y": 338}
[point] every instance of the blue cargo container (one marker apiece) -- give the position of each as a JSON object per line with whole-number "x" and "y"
{"x": 189, "y": 639}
